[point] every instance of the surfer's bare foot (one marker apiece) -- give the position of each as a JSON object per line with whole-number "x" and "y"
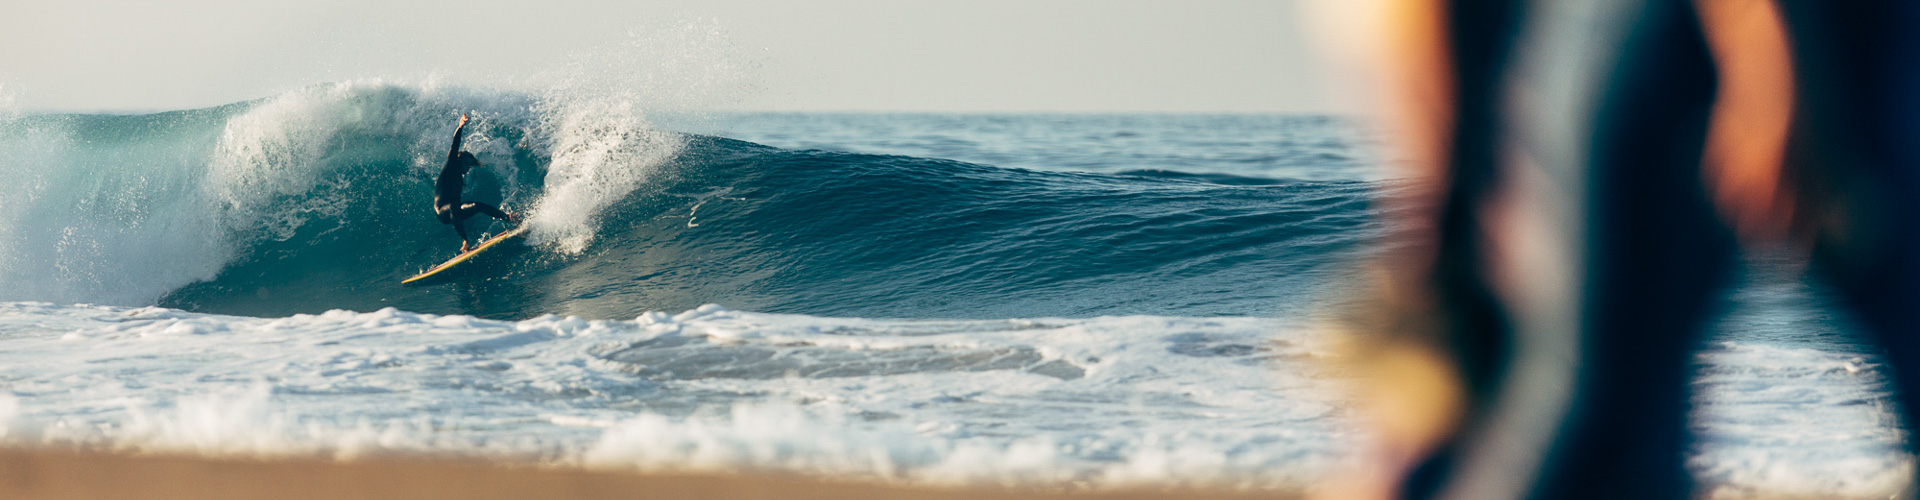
{"x": 513, "y": 217}
{"x": 464, "y": 248}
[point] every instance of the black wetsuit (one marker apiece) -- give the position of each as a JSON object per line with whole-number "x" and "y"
{"x": 446, "y": 190}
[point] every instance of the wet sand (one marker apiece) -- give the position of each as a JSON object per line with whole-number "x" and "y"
{"x": 64, "y": 475}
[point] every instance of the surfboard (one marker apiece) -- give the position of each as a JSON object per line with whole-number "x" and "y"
{"x": 463, "y": 258}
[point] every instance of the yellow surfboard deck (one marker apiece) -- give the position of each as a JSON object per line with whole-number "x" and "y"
{"x": 462, "y": 258}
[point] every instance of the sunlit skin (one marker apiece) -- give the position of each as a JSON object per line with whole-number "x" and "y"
{"x": 1408, "y": 386}
{"x": 1747, "y": 137}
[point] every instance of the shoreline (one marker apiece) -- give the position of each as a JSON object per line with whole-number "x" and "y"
{"x": 41, "y": 474}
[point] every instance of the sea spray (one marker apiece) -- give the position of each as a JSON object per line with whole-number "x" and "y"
{"x": 106, "y": 209}
{"x": 24, "y": 148}
{"x": 601, "y": 148}
{"x": 9, "y": 110}
{"x": 594, "y": 119}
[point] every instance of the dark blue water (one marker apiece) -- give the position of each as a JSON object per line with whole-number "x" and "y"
{"x": 1256, "y": 146}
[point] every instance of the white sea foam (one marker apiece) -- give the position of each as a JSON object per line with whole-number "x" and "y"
{"x": 788, "y": 438}
{"x": 593, "y": 120}
{"x": 1783, "y": 421}
{"x": 602, "y": 148}
{"x": 9, "y": 412}
{"x": 212, "y": 424}
{"x": 1099, "y": 402}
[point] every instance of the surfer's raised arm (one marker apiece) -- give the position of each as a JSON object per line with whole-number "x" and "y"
{"x": 446, "y": 191}
{"x": 457, "y": 133}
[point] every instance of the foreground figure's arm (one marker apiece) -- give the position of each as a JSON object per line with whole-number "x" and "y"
{"x": 1747, "y": 140}
{"x": 1410, "y": 384}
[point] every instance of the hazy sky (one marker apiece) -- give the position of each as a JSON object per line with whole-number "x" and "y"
{"x": 853, "y": 55}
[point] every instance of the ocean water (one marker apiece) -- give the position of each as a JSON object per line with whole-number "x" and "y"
{"x": 1069, "y": 301}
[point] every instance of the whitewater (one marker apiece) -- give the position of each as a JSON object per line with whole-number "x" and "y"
{"x": 1063, "y": 301}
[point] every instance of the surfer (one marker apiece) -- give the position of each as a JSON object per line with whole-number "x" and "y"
{"x": 446, "y": 191}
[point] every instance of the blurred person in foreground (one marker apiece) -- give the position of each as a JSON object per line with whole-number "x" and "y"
{"x": 1586, "y": 174}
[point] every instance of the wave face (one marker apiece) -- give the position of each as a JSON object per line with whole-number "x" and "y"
{"x": 320, "y": 199}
